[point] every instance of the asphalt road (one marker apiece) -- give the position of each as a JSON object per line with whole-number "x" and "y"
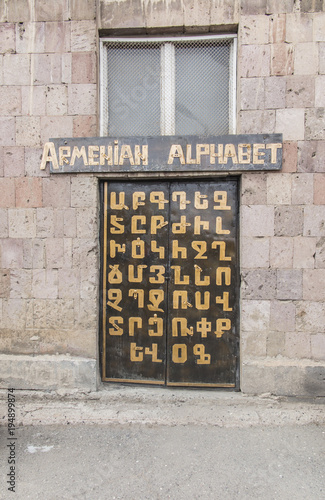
{"x": 96, "y": 462}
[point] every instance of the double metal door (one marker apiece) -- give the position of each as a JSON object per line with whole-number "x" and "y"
{"x": 169, "y": 291}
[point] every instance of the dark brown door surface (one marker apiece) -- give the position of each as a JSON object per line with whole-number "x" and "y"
{"x": 170, "y": 283}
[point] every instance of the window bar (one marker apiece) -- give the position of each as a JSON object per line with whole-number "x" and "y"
{"x": 167, "y": 92}
{"x": 232, "y": 86}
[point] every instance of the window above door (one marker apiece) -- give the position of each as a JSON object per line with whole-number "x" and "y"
{"x": 168, "y": 86}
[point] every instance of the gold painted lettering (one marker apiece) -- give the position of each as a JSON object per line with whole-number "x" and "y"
{"x": 184, "y": 331}
{"x": 223, "y": 271}
{"x": 180, "y": 299}
{"x": 92, "y": 156}
{"x": 198, "y": 223}
{"x": 79, "y": 153}
{"x": 131, "y": 276}
{"x": 198, "y": 301}
{"x": 157, "y": 222}
{"x": 214, "y": 155}
{"x": 201, "y": 149}
{"x": 274, "y": 146}
{"x": 178, "y": 250}
{"x": 159, "y": 322}
{"x": 179, "y": 353}
{"x": 224, "y": 300}
{"x": 156, "y": 249}
{"x": 126, "y": 154}
{"x": 180, "y": 227}
{"x": 137, "y": 249}
{"x": 222, "y": 325}
{"x": 115, "y": 247}
{"x": 115, "y": 275}
{"x": 200, "y": 201}
{"x": 220, "y": 197}
{"x": 159, "y": 278}
{"x": 117, "y": 227}
{"x": 132, "y": 322}
{"x": 203, "y": 327}
{"x": 141, "y": 154}
{"x": 219, "y": 229}
{"x": 189, "y": 159}
{"x": 138, "y": 195}
{"x": 198, "y": 280}
{"x": 244, "y": 153}
{"x": 222, "y": 249}
{"x": 182, "y": 199}
{"x": 115, "y": 321}
{"x": 103, "y": 156}
{"x": 49, "y": 148}
{"x": 230, "y": 152}
{"x": 138, "y": 294}
{"x": 114, "y": 298}
{"x": 64, "y": 153}
{"x": 136, "y": 353}
{"x": 177, "y": 276}
{"x": 159, "y": 198}
{"x": 153, "y": 353}
{"x": 201, "y": 248}
{"x": 135, "y": 221}
{"x": 199, "y": 350}
{"x": 121, "y": 201}
{"x": 258, "y": 156}
{"x": 176, "y": 151}
{"x": 156, "y": 297}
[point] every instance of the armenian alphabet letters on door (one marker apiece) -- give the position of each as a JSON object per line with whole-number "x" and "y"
{"x": 170, "y": 282}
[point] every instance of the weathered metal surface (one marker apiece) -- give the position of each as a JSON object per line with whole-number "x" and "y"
{"x": 170, "y": 282}
{"x": 234, "y": 153}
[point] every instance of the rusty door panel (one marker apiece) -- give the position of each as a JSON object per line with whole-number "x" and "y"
{"x": 170, "y": 283}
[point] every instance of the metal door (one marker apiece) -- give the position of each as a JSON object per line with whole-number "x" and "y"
{"x": 170, "y": 283}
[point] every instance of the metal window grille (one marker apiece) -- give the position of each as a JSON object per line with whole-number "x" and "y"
{"x": 174, "y": 86}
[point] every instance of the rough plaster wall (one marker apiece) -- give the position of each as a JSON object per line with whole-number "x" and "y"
{"x": 48, "y": 225}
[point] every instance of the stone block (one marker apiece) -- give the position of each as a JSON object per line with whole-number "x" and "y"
{"x": 16, "y": 69}
{"x": 7, "y": 131}
{"x": 314, "y": 221}
{"x": 320, "y": 253}
{"x": 193, "y": 13}
{"x": 1, "y": 162}
{"x": 51, "y": 11}
{"x": 57, "y": 37}
{"x": 88, "y": 283}
{"x": 290, "y": 156}
{"x": 14, "y": 314}
{"x": 302, "y": 189}
{"x": 299, "y": 28}
{"x": 7, "y": 38}
{"x": 83, "y": 36}
{"x": 30, "y": 37}
{"x": 46, "y": 69}
{"x": 66, "y": 68}
{"x": 13, "y": 161}
{"x": 65, "y": 223}
{"x": 254, "y": 61}
{"x": 4, "y": 230}
{"x": 56, "y": 192}
{"x": 255, "y": 252}
{"x": 277, "y": 28}
{"x": 279, "y": 6}
{"x": 252, "y": 122}
{"x": 281, "y": 253}
{"x": 69, "y": 283}
{"x": 290, "y": 122}
{"x": 85, "y": 253}
{"x": 45, "y": 222}
{"x": 84, "y": 67}
{"x": 133, "y": 15}
{"x": 33, "y": 100}
{"x": 275, "y": 343}
{"x": 22, "y": 222}
{"x": 306, "y": 59}
{"x": 84, "y": 9}
{"x": 251, "y": 93}
{"x": 311, "y": 5}
{"x": 255, "y": 315}
{"x": 278, "y": 189}
{"x": 321, "y": 57}
{"x": 311, "y": 156}
{"x": 283, "y": 316}
{"x": 45, "y": 283}
{"x": 20, "y": 284}
{"x": 274, "y": 92}
{"x": 28, "y": 131}
{"x": 297, "y": 345}
{"x": 33, "y": 158}
{"x": 57, "y": 100}
{"x": 282, "y": 59}
{"x": 317, "y": 342}
{"x": 314, "y": 284}
{"x": 10, "y": 98}
{"x": 288, "y": 221}
{"x": 253, "y": 344}
{"x": 85, "y": 126}
{"x": 304, "y": 250}
{"x": 257, "y": 220}
{"x": 34, "y": 253}
{"x": 7, "y": 189}
{"x": 84, "y": 192}
{"x": 46, "y": 372}
{"x": 54, "y": 253}
{"x": 257, "y": 7}
{"x": 4, "y": 284}
{"x": 253, "y": 188}
{"x": 300, "y": 92}
{"x": 319, "y": 91}
{"x": 28, "y": 192}
{"x": 86, "y": 313}
{"x": 18, "y": 11}
{"x": 319, "y": 189}
{"x": 82, "y": 99}
{"x": 54, "y": 127}
{"x": 222, "y": 12}
{"x": 259, "y": 284}
{"x": 87, "y": 223}
{"x": 254, "y": 30}
{"x": 310, "y": 317}
{"x": 11, "y": 254}
{"x": 289, "y": 284}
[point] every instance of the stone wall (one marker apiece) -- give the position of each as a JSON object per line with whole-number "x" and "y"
{"x": 49, "y": 246}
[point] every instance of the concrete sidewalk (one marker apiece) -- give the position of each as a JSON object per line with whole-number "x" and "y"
{"x": 131, "y": 443}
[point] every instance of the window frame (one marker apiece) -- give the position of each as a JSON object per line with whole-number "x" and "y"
{"x": 168, "y": 95}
